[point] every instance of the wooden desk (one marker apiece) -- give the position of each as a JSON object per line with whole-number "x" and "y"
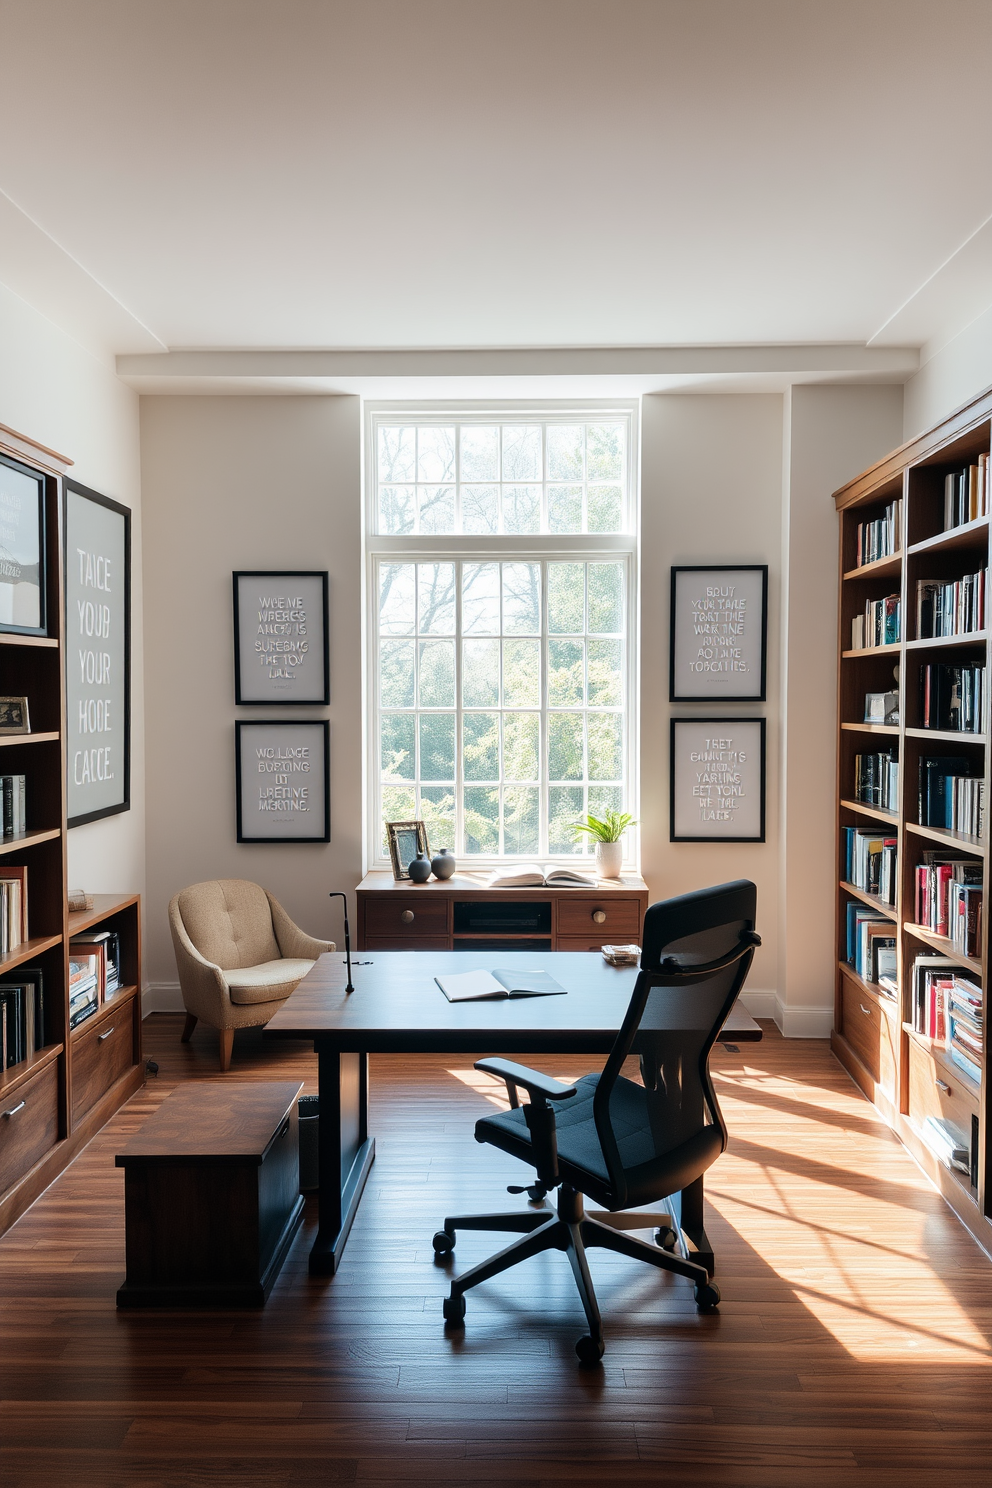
{"x": 446, "y": 916}
{"x": 397, "y": 1008}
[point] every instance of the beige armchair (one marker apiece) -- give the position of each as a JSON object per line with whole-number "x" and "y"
{"x": 239, "y": 956}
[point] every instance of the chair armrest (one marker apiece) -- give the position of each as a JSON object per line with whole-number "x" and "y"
{"x": 293, "y": 941}
{"x": 530, "y": 1080}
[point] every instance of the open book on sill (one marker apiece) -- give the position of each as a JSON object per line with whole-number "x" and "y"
{"x": 529, "y": 876}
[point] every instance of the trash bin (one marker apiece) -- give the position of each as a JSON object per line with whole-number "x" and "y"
{"x": 309, "y": 1127}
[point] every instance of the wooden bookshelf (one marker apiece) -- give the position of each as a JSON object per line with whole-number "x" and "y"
{"x": 55, "y": 1099}
{"x": 908, "y": 1076}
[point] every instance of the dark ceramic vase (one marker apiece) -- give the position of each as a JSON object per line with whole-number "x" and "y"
{"x": 420, "y": 868}
{"x": 444, "y": 864}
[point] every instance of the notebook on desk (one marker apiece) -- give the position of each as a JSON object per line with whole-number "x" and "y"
{"x": 482, "y": 986}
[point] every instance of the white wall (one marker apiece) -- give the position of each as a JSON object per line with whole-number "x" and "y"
{"x": 59, "y": 394}
{"x": 954, "y": 375}
{"x": 242, "y": 483}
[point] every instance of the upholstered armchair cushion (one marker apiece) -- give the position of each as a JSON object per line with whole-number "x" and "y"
{"x": 264, "y": 983}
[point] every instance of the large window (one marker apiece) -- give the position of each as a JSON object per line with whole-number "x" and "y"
{"x": 501, "y": 590}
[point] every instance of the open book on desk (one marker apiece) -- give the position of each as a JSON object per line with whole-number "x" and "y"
{"x": 529, "y": 876}
{"x": 482, "y": 986}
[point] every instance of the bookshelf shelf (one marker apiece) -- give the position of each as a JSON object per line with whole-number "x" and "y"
{"x": 28, "y": 950}
{"x": 912, "y": 1079}
{"x": 46, "y": 643}
{"x": 17, "y": 1074}
{"x": 18, "y": 740}
{"x": 28, "y": 839}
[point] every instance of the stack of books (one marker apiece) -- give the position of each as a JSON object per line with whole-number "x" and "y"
{"x": 933, "y": 879}
{"x": 880, "y": 538}
{"x": 950, "y": 797}
{"x": 954, "y": 698}
{"x": 84, "y": 987}
{"x": 948, "y": 1144}
{"x": 965, "y": 1022}
{"x": 870, "y": 862}
{"x": 964, "y": 916}
{"x": 22, "y": 1015}
{"x": 931, "y": 980}
{"x": 876, "y": 780}
{"x": 880, "y": 625}
{"x": 12, "y": 805}
{"x": 871, "y": 947}
{"x": 13, "y": 908}
{"x": 950, "y": 607}
{"x": 966, "y": 494}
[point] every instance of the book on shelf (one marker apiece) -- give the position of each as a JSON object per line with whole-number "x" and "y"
{"x": 966, "y": 494}
{"x": 947, "y": 1142}
{"x": 870, "y": 862}
{"x": 84, "y": 986}
{"x": 876, "y": 780}
{"x": 879, "y": 625}
{"x": 949, "y": 795}
{"x": 950, "y": 607}
{"x": 963, "y": 1062}
{"x": 13, "y": 908}
{"x": 933, "y": 877}
{"x": 931, "y": 980}
{"x": 529, "y": 876}
{"x": 88, "y": 948}
{"x": 881, "y": 707}
{"x": 880, "y": 537}
{"x": 871, "y": 944}
{"x": 964, "y": 916}
{"x": 954, "y": 698}
{"x": 22, "y": 1015}
{"x": 12, "y": 805}
{"x": 111, "y": 942}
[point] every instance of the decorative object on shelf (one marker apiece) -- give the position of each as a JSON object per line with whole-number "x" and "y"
{"x": 882, "y": 707}
{"x": 717, "y": 780}
{"x": 280, "y": 638}
{"x": 283, "y": 780}
{"x": 98, "y": 655}
{"x": 443, "y": 864}
{"x": 420, "y": 868}
{"x": 407, "y": 840}
{"x": 14, "y": 715}
{"x": 78, "y": 900}
{"x": 23, "y": 608}
{"x": 719, "y": 631}
{"x": 607, "y": 833}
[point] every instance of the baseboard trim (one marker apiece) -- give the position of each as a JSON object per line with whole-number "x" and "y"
{"x": 161, "y": 997}
{"x": 803, "y": 1022}
{"x": 759, "y": 1004}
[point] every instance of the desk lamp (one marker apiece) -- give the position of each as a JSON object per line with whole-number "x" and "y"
{"x": 337, "y": 894}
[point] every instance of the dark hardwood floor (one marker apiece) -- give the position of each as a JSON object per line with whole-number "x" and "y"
{"x": 852, "y": 1345}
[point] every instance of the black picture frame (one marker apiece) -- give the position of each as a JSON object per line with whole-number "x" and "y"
{"x": 251, "y": 691}
{"x": 86, "y": 493}
{"x": 676, "y": 785}
{"x": 321, "y": 729}
{"x": 677, "y": 692}
{"x": 8, "y": 561}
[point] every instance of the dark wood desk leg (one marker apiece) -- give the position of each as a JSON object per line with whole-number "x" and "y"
{"x": 345, "y": 1151}
{"x": 688, "y": 1207}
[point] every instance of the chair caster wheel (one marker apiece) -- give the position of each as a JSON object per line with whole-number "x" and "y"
{"x": 589, "y": 1350}
{"x": 666, "y": 1237}
{"x": 454, "y": 1309}
{"x": 443, "y": 1243}
{"x": 707, "y": 1297}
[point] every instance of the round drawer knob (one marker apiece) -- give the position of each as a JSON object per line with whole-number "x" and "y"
{"x": 407, "y": 917}
{"x": 599, "y": 915}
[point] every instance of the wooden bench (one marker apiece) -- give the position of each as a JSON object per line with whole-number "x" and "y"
{"x": 212, "y": 1195}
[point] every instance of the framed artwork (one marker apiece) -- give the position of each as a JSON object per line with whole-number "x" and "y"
{"x": 14, "y": 716}
{"x": 98, "y": 654}
{"x": 717, "y": 780}
{"x": 283, "y": 780}
{"x": 23, "y": 607}
{"x": 406, "y": 840}
{"x": 719, "y": 633}
{"x": 280, "y": 638}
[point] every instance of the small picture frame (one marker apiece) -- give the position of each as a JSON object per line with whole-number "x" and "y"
{"x": 282, "y": 768}
{"x": 14, "y": 715}
{"x": 406, "y": 840}
{"x": 23, "y": 555}
{"x": 280, "y": 638}
{"x": 718, "y": 638}
{"x": 717, "y": 786}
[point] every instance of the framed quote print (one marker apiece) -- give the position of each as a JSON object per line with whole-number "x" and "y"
{"x": 282, "y": 770}
{"x": 280, "y": 638}
{"x": 719, "y": 633}
{"x": 98, "y": 655}
{"x": 22, "y": 549}
{"x": 717, "y": 780}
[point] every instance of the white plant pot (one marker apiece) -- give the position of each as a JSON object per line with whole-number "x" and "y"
{"x": 609, "y": 857}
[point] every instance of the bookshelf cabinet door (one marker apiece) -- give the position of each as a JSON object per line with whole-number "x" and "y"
{"x": 100, "y": 1056}
{"x": 29, "y": 1124}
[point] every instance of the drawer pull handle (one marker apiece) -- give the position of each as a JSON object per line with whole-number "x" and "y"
{"x": 13, "y": 1111}
{"x": 866, "y": 1011}
{"x": 943, "y": 1085}
{"x": 407, "y": 917}
{"x": 101, "y": 1036}
{"x": 599, "y": 915}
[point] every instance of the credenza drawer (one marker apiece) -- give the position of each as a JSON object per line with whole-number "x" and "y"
{"x": 406, "y": 943}
{"x": 583, "y": 942}
{"x": 405, "y": 916}
{"x": 862, "y": 1026}
{"x": 29, "y": 1124}
{"x": 100, "y": 1056}
{"x": 933, "y": 1091}
{"x": 621, "y": 918}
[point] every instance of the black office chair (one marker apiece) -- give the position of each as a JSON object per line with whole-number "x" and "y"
{"x": 615, "y": 1141}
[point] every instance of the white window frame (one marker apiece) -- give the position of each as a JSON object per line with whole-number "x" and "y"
{"x": 427, "y": 547}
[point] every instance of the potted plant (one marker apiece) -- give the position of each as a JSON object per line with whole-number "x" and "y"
{"x": 607, "y": 833}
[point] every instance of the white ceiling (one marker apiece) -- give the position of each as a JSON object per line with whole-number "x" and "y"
{"x": 521, "y": 173}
